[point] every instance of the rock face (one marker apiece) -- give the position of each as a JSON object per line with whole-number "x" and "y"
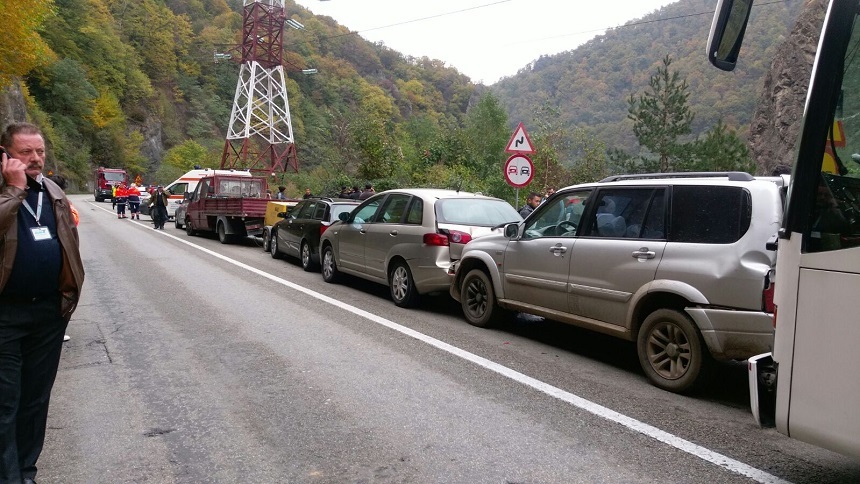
{"x": 12, "y": 107}
{"x": 777, "y": 119}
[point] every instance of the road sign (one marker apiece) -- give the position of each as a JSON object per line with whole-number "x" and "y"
{"x": 519, "y": 171}
{"x": 520, "y": 142}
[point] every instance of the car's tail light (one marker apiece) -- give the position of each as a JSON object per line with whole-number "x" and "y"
{"x": 322, "y": 228}
{"x": 774, "y": 315}
{"x": 435, "y": 239}
{"x": 767, "y": 296}
{"x": 457, "y": 237}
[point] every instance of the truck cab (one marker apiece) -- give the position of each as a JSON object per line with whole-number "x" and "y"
{"x": 105, "y": 180}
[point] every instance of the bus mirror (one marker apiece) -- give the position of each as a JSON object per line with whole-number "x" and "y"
{"x": 727, "y": 32}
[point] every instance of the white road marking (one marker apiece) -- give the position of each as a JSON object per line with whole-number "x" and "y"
{"x": 565, "y": 396}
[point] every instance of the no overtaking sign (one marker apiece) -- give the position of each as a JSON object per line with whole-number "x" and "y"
{"x": 519, "y": 171}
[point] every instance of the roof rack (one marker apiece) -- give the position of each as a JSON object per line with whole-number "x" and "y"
{"x": 731, "y": 175}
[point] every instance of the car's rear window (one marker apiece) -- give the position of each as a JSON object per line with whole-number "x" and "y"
{"x": 339, "y": 208}
{"x": 475, "y": 211}
{"x": 709, "y": 214}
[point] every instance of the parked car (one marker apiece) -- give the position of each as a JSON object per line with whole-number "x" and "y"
{"x": 677, "y": 264}
{"x": 406, "y": 239}
{"x": 181, "y": 215}
{"x": 298, "y": 233}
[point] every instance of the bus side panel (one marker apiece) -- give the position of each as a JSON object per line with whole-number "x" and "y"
{"x": 785, "y": 298}
{"x": 825, "y": 388}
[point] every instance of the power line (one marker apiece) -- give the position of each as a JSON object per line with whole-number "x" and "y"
{"x": 633, "y": 24}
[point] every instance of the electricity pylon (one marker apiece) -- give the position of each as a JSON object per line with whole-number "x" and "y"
{"x": 260, "y": 134}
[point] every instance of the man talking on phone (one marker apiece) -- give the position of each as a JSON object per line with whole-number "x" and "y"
{"x": 41, "y": 275}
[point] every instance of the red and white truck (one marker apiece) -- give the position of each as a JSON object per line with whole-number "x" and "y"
{"x": 105, "y": 180}
{"x": 233, "y": 206}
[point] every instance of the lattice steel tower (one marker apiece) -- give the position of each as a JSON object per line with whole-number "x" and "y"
{"x": 260, "y": 135}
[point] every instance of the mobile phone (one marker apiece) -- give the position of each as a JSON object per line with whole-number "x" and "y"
{"x": 3, "y": 150}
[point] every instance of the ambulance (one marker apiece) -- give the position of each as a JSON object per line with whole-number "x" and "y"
{"x": 188, "y": 182}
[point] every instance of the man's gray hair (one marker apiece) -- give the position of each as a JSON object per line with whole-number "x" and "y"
{"x": 17, "y": 128}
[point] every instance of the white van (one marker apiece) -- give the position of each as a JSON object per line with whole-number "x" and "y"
{"x": 188, "y": 182}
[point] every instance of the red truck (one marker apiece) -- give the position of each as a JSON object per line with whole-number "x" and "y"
{"x": 105, "y": 179}
{"x": 231, "y": 206}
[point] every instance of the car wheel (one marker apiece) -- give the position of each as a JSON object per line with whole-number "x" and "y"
{"x": 188, "y": 228}
{"x": 273, "y": 245}
{"x": 223, "y": 236}
{"x": 177, "y": 223}
{"x": 266, "y": 241}
{"x": 308, "y": 263}
{"x": 671, "y": 350}
{"x": 478, "y": 299}
{"x": 329, "y": 265}
{"x": 402, "y": 285}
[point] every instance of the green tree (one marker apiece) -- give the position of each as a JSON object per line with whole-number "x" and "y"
{"x": 486, "y": 134}
{"x": 21, "y": 47}
{"x": 721, "y": 150}
{"x": 551, "y": 142}
{"x": 661, "y": 115}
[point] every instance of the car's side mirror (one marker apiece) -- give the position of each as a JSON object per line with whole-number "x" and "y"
{"x": 187, "y": 195}
{"x": 343, "y": 216}
{"x": 282, "y": 214}
{"x": 512, "y": 230}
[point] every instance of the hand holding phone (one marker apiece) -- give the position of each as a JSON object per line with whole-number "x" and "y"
{"x": 13, "y": 172}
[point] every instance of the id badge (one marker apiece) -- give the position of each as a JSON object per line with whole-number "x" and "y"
{"x": 41, "y": 233}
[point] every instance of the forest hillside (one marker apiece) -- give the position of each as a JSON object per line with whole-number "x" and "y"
{"x": 146, "y": 85}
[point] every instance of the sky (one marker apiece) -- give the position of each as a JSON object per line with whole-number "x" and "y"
{"x": 484, "y": 39}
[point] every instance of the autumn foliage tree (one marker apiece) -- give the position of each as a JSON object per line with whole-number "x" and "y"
{"x": 21, "y": 46}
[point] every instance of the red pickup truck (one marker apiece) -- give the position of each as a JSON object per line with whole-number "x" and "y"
{"x": 231, "y": 206}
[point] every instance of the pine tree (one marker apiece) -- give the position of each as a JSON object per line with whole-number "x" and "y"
{"x": 661, "y": 115}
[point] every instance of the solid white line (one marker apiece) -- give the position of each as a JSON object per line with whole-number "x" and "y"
{"x": 565, "y": 396}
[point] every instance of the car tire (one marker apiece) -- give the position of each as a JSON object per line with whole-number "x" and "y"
{"x": 478, "y": 299}
{"x": 330, "y": 273}
{"x": 177, "y": 223}
{"x": 223, "y": 236}
{"x": 671, "y": 351}
{"x": 266, "y": 240}
{"x": 308, "y": 263}
{"x": 188, "y": 228}
{"x": 402, "y": 285}
{"x": 273, "y": 246}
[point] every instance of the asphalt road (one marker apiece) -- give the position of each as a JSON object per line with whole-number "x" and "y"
{"x": 192, "y": 361}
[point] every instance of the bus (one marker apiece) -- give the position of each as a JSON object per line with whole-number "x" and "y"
{"x": 809, "y": 387}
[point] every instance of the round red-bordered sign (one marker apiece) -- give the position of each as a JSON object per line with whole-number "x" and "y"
{"x": 519, "y": 171}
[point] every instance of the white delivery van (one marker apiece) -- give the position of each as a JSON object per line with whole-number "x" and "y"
{"x": 188, "y": 182}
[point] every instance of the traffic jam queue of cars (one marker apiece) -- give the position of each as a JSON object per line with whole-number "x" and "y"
{"x": 677, "y": 263}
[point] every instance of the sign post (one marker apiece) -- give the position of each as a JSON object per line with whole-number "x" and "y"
{"x": 519, "y": 169}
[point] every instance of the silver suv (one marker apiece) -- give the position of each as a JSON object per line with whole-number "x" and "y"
{"x": 675, "y": 262}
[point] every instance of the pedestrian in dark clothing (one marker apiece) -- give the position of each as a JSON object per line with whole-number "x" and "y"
{"x": 344, "y": 193}
{"x": 367, "y": 193}
{"x": 532, "y": 203}
{"x": 159, "y": 207}
{"x": 308, "y": 193}
{"x": 355, "y": 193}
{"x": 41, "y": 276}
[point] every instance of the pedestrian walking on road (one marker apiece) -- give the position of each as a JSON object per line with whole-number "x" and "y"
{"x": 159, "y": 207}
{"x": 133, "y": 197}
{"x": 120, "y": 197}
{"x": 41, "y": 277}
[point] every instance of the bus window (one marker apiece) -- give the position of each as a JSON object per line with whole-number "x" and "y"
{"x": 835, "y": 215}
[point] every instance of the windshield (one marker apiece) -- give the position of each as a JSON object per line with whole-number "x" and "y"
{"x": 487, "y": 212}
{"x": 114, "y": 176}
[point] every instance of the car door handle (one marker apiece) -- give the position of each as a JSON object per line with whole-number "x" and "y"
{"x": 558, "y": 249}
{"x": 362, "y": 231}
{"x": 393, "y": 232}
{"x": 644, "y": 253}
